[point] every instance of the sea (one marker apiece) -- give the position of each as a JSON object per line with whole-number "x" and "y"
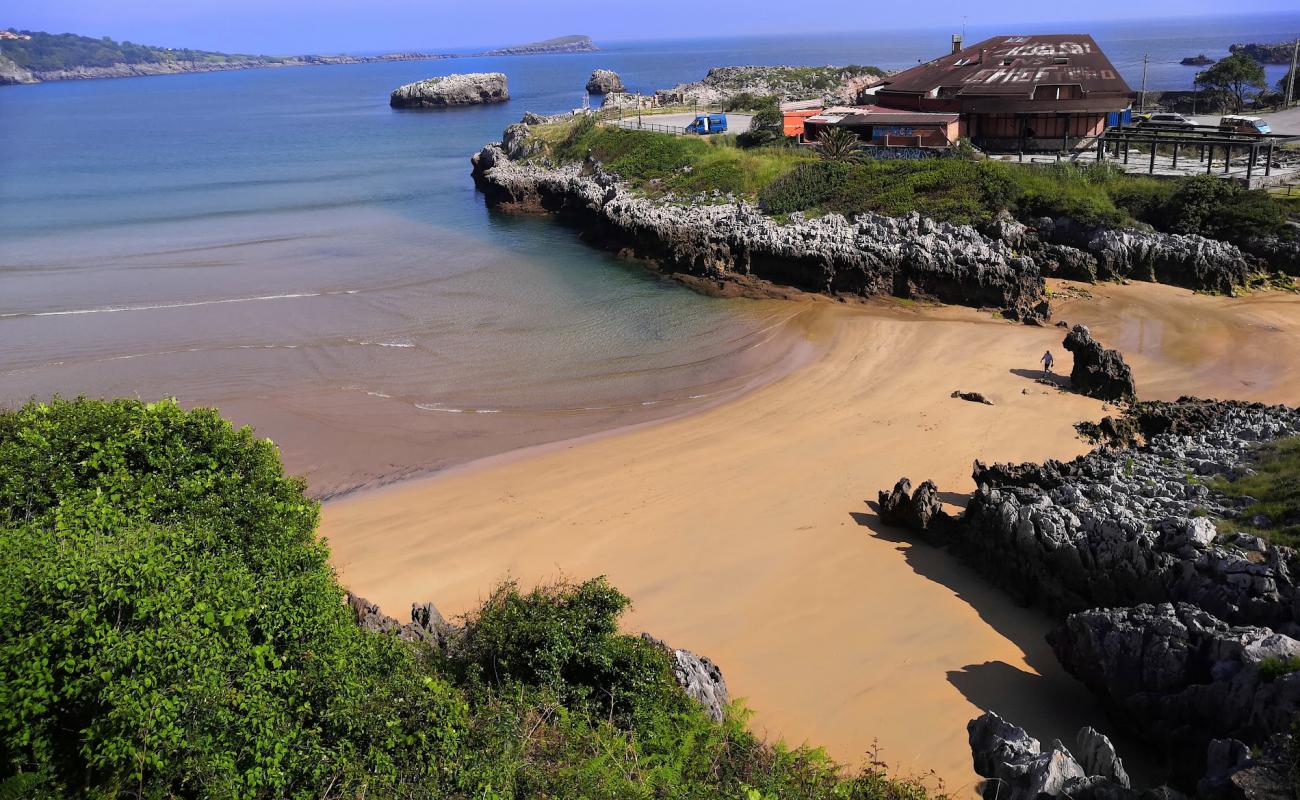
{"x": 281, "y": 244}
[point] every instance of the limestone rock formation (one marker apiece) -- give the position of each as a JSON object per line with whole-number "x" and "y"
{"x": 1123, "y": 527}
{"x": 910, "y": 256}
{"x": 426, "y": 625}
{"x": 604, "y": 81}
{"x": 1098, "y": 372}
{"x": 916, "y": 511}
{"x": 1179, "y": 676}
{"x": 452, "y": 90}
{"x": 1016, "y": 767}
{"x": 11, "y": 73}
{"x": 1066, "y": 249}
{"x": 700, "y": 677}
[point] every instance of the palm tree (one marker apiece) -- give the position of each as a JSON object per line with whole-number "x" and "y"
{"x": 839, "y": 144}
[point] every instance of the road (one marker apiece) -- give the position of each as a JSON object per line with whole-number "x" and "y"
{"x": 736, "y": 123}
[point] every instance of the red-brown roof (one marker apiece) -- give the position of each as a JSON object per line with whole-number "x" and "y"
{"x": 1013, "y": 67}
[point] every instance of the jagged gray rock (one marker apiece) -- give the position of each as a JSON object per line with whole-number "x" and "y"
{"x": 910, "y": 256}
{"x": 452, "y": 90}
{"x": 919, "y": 511}
{"x": 1015, "y": 767}
{"x": 1126, "y": 526}
{"x": 604, "y": 81}
{"x": 699, "y": 677}
{"x": 1185, "y": 260}
{"x": 1098, "y": 372}
{"x": 426, "y": 625}
{"x": 1179, "y": 676}
{"x": 972, "y": 397}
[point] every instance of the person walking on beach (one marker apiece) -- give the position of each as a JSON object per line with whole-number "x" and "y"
{"x": 1048, "y": 361}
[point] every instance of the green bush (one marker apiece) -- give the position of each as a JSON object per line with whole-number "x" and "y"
{"x": 172, "y": 628}
{"x": 766, "y": 127}
{"x": 804, "y": 187}
{"x": 1210, "y": 206}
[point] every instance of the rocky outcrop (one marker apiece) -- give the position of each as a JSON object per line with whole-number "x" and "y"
{"x": 1236, "y": 772}
{"x": 1179, "y": 677}
{"x": 1066, "y": 249}
{"x": 910, "y": 257}
{"x": 1098, "y": 372}
{"x": 1277, "y": 254}
{"x": 921, "y": 510}
{"x": 1016, "y": 767}
{"x": 452, "y": 90}
{"x": 604, "y": 81}
{"x": 699, "y": 677}
{"x": 1124, "y": 527}
{"x": 1198, "y": 60}
{"x": 427, "y": 624}
{"x": 972, "y": 397}
{"x": 1279, "y": 53}
{"x": 837, "y": 84}
{"x": 11, "y": 73}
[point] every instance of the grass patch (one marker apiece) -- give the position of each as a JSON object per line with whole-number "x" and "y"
{"x": 1270, "y": 669}
{"x": 1275, "y": 489}
{"x": 785, "y": 180}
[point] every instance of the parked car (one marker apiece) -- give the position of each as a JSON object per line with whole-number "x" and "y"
{"x": 708, "y": 123}
{"x": 1235, "y": 123}
{"x": 1166, "y": 121}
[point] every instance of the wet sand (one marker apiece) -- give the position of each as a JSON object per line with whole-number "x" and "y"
{"x": 745, "y": 533}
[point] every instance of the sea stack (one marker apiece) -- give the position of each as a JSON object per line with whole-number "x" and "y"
{"x": 604, "y": 81}
{"x": 452, "y": 90}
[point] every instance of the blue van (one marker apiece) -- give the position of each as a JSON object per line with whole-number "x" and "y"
{"x": 708, "y": 123}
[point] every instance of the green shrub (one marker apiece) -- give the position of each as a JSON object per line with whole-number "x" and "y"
{"x": 1274, "y": 489}
{"x": 766, "y": 127}
{"x": 173, "y": 626}
{"x": 804, "y": 187}
{"x": 748, "y": 101}
{"x": 1270, "y": 669}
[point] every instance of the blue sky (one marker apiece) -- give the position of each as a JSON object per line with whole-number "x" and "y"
{"x": 328, "y": 26}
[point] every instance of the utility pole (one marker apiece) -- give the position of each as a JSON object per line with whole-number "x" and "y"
{"x": 1142, "y": 104}
{"x": 1290, "y": 76}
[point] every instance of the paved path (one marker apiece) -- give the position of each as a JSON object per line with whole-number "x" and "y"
{"x": 736, "y": 123}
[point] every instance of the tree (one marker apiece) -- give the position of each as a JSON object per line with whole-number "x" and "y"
{"x": 839, "y": 144}
{"x": 1233, "y": 77}
{"x": 766, "y": 127}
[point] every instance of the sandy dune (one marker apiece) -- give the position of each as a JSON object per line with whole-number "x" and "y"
{"x": 744, "y": 532}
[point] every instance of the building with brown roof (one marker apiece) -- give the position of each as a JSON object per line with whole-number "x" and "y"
{"x": 1043, "y": 92}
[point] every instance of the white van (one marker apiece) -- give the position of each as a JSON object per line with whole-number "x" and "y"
{"x": 1239, "y": 124}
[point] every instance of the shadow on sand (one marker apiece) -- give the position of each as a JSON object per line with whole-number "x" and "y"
{"x": 1038, "y": 376}
{"x": 1050, "y": 704}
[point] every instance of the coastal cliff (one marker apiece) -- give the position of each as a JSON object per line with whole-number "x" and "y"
{"x": 908, "y": 257}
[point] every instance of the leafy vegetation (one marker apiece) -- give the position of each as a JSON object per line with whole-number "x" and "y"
{"x": 173, "y": 629}
{"x": 1234, "y": 78}
{"x": 50, "y": 51}
{"x": 1275, "y": 489}
{"x": 1270, "y": 669}
{"x": 839, "y": 144}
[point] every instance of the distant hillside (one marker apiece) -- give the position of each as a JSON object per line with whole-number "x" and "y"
{"x": 560, "y": 44}
{"x": 34, "y": 56}
{"x": 47, "y": 52}
{"x": 1267, "y": 53}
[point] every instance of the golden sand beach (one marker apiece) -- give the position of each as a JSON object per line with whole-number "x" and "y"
{"x": 744, "y": 532}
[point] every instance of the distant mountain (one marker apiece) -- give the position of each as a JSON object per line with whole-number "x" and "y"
{"x": 34, "y": 56}
{"x": 560, "y": 44}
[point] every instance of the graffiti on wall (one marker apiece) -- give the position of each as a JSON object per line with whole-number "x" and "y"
{"x": 900, "y": 153}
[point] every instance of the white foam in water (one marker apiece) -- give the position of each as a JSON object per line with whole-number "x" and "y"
{"x": 154, "y": 307}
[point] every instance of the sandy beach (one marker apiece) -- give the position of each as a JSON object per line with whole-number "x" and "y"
{"x": 744, "y": 532}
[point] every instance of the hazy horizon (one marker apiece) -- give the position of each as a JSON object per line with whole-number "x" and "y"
{"x": 337, "y": 26}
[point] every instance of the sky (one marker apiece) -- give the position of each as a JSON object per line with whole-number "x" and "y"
{"x": 283, "y": 27}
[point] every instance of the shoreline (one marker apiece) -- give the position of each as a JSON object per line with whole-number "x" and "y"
{"x": 799, "y": 603}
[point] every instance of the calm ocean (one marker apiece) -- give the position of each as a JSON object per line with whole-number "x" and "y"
{"x": 282, "y": 244}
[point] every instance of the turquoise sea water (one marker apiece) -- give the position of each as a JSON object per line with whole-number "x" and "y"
{"x": 281, "y": 243}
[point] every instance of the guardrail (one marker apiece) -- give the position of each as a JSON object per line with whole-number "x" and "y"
{"x": 634, "y": 124}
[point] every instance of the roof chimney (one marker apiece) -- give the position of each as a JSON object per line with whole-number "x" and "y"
{"x": 983, "y": 55}
{"x": 956, "y": 42}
